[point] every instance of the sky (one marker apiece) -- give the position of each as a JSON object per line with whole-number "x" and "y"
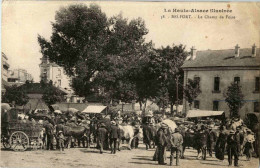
{"x": 22, "y": 21}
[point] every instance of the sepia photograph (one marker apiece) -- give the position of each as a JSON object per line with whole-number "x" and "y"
{"x": 130, "y": 84}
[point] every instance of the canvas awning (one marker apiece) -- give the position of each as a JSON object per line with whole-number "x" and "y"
{"x": 94, "y": 109}
{"x": 203, "y": 113}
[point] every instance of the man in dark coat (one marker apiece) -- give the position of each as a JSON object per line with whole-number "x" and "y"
{"x": 232, "y": 148}
{"x": 161, "y": 144}
{"x": 202, "y": 142}
{"x": 212, "y": 137}
{"x": 221, "y": 143}
{"x": 102, "y": 136}
{"x": 49, "y": 133}
{"x": 147, "y": 135}
{"x": 114, "y": 136}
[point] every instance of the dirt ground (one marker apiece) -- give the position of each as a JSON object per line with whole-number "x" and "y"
{"x": 82, "y": 157}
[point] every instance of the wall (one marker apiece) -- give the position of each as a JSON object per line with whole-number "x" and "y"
{"x": 206, "y": 98}
{"x": 55, "y": 73}
{"x": 4, "y": 67}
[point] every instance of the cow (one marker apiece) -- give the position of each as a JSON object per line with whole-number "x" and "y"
{"x": 77, "y": 132}
{"x": 128, "y": 133}
{"x": 189, "y": 140}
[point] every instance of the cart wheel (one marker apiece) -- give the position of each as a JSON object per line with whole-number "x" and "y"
{"x": 19, "y": 141}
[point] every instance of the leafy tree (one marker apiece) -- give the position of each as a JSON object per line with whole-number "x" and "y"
{"x": 172, "y": 58}
{"x": 52, "y": 95}
{"x": 77, "y": 41}
{"x": 192, "y": 90}
{"x": 234, "y": 98}
{"x": 15, "y": 94}
{"x": 94, "y": 50}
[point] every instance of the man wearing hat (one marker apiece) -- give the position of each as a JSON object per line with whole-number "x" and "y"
{"x": 201, "y": 137}
{"x": 212, "y": 138}
{"x": 232, "y": 148}
{"x": 161, "y": 143}
{"x": 102, "y": 136}
{"x": 240, "y": 139}
{"x": 114, "y": 136}
{"x": 176, "y": 146}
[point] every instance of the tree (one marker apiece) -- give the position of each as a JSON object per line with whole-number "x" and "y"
{"x": 15, "y": 94}
{"x": 52, "y": 95}
{"x": 172, "y": 58}
{"x": 234, "y": 98}
{"x": 192, "y": 90}
{"x": 77, "y": 41}
{"x": 96, "y": 51}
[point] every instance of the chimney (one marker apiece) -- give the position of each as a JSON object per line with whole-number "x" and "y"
{"x": 193, "y": 53}
{"x": 237, "y": 51}
{"x": 254, "y": 50}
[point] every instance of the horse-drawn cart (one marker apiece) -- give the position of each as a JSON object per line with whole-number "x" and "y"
{"x": 18, "y": 134}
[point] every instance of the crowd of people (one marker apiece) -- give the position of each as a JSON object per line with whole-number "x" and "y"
{"x": 208, "y": 136}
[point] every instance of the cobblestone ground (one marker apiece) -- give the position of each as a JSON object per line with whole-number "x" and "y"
{"x": 82, "y": 157}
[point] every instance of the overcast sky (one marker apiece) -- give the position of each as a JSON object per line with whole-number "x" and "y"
{"x": 23, "y": 21}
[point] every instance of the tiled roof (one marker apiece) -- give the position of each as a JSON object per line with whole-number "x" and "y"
{"x": 36, "y": 88}
{"x": 224, "y": 58}
{"x": 35, "y": 103}
{"x": 79, "y": 106}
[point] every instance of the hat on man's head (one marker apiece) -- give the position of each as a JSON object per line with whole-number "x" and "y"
{"x": 102, "y": 125}
{"x": 60, "y": 131}
{"x": 113, "y": 122}
{"x": 232, "y": 132}
{"x": 211, "y": 126}
{"x": 164, "y": 125}
{"x": 177, "y": 130}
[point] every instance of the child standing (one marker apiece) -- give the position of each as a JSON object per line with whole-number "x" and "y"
{"x": 61, "y": 140}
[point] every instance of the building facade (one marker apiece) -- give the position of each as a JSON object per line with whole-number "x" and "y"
{"x": 4, "y": 67}
{"x": 216, "y": 70}
{"x": 19, "y": 76}
{"x": 52, "y": 72}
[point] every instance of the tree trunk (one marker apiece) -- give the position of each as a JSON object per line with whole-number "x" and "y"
{"x": 141, "y": 104}
{"x": 172, "y": 108}
{"x": 145, "y": 103}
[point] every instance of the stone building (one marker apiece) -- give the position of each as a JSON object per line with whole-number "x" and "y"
{"x": 19, "y": 76}
{"x": 50, "y": 71}
{"x": 4, "y": 73}
{"x": 5, "y": 66}
{"x": 217, "y": 69}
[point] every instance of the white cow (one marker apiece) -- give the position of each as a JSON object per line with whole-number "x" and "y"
{"x": 127, "y": 133}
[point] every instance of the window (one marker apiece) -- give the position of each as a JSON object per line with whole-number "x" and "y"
{"x": 237, "y": 80}
{"x": 215, "y": 105}
{"x": 257, "y": 84}
{"x": 216, "y": 83}
{"x": 59, "y": 82}
{"x": 256, "y": 107}
{"x": 197, "y": 78}
{"x": 196, "y": 104}
{"x": 59, "y": 72}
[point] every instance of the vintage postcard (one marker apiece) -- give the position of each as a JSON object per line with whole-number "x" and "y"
{"x": 130, "y": 84}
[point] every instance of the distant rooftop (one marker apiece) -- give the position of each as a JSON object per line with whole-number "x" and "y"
{"x": 224, "y": 58}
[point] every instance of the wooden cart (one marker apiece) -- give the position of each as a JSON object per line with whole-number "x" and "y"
{"x": 19, "y": 135}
